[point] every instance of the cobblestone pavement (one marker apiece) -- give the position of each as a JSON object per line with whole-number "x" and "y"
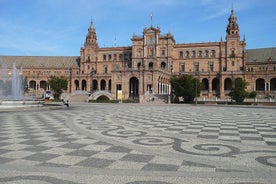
{"x": 136, "y": 144}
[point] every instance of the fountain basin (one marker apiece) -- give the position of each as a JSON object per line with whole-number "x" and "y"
{"x": 20, "y": 103}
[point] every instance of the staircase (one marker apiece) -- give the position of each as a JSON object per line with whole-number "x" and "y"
{"x": 156, "y": 99}
{"x": 79, "y": 98}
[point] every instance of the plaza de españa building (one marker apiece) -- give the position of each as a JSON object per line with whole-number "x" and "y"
{"x": 146, "y": 66}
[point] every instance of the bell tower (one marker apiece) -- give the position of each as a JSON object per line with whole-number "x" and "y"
{"x": 91, "y": 37}
{"x": 232, "y": 29}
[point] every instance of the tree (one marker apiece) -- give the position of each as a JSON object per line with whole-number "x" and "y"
{"x": 186, "y": 86}
{"x": 238, "y": 92}
{"x": 57, "y": 85}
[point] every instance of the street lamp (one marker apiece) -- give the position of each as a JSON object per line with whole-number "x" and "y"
{"x": 70, "y": 80}
{"x": 93, "y": 71}
{"x": 196, "y": 73}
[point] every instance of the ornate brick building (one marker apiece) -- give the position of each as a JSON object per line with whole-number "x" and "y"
{"x": 145, "y": 68}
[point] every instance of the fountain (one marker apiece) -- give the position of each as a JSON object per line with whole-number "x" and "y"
{"x": 11, "y": 90}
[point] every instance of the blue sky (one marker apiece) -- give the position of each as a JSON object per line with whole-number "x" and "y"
{"x": 59, "y": 27}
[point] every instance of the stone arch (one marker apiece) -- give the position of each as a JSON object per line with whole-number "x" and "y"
{"x": 95, "y": 85}
{"x": 205, "y": 84}
{"x": 103, "y": 84}
{"x": 133, "y": 87}
{"x": 32, "y": 84}
{"x": 273, "y": 84}
{"x": 150, "y": 65}
{"x": 238, "y": 82}
{"x": 43, "y": 84}
{"x": 83, "y": 85}
{"x": 101, "y": 94}
{"x": 77, "y": 84}
{"x": 215, "y": 84}
{"x": 227, "y": 84}
{"x": 163, "y": 65}
{"x": 109, "y": 85}
{"x": 260, "y": 84}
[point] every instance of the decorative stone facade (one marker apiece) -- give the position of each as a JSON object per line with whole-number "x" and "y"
{"x": 148, "y": 64}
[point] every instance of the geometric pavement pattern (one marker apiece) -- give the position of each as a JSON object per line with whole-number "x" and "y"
{"x": 162, "y": 139}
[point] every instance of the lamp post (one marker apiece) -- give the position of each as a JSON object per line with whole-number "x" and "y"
{"x": 93, "y": 71}
{"x": 70, "y": 80}
{"x": 196, "y": 73}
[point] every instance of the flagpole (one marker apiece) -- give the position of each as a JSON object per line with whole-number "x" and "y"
{"x": 151, "y": 19}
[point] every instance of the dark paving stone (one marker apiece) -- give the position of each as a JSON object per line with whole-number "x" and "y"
{"x": 118, "y": 149}
{"x": 95, "y": 162}
{"x": 39, "y": 179}
{"x": 4, "y": 160}
{"x": 4, "y": 144}
{"x": 47, "y": 164}
{"x": 208, "y": 136}
{"x": 248, "y": 132}
{"x": 229, "y": 134}
{"x": 101, "y": 143}
{"x": 66, "y": 139}
{"x": 137, "y": 158}
{"x": 3, "y": 151}
{"x": 160, "y": 167}
{"x": 209, "y": 130}
{"x": 32, "y": 142}
{"x": 269, "y": 136}
{"x": 195, "y": 164}
{"x": 83, "y": 153}
{"x": 42, "y": 157}
{"x": 187, "y": 132}
{"x": 73, "y": 145}
{"x": 252, "y": 138}
{"x": 37, "y": 148}
{"x": 270, "y": 143}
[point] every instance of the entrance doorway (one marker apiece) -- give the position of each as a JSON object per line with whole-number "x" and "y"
{"x": 133, "y": 87}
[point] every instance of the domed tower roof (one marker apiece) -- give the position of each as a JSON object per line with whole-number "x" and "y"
{"x": 232, "y": 27}
{"x": 91, "y": 37}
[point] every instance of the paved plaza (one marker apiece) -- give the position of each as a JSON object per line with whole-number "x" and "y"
{"x": 138, "y": 144}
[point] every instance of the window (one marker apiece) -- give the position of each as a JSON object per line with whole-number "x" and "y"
{"x": 181, "y": 54}
{"x": 187, "y": 54}
{"x": 105, "y": 69}
{"x": 151, "y": 65}
{"x": 138, "y": 66}
{"x": 233, "y": 63}
{"x": 193, "y": 54}
{"x": 211, "y": 66}
{"x": 109, "y": 57}
{"x": 139, "y": 53}
{"x": 163, "y": 65}
{"x": 182, "y": 67}
{"x": 196, "y": 66}
{"x": 206, "y": 53}
{"x": 213, "y": 53}
{"x": 104, "y": 57}
{"x": 115, "y": 57}
{"x": 200, "y": 54}
{"x": 120, "y": 57}
{"x": 163, "y": 52}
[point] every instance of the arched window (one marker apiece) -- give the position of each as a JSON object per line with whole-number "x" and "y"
{"x": 163, "y": 65}
{"x": 181, "y": 54}
{"x": 150, "y": 65}
{"x": 213, "y": 53}
{"x": 104, "y": 57}
{"x": 187, "y": 54}
{"x": 200, "y": 54}
{"x": 139, "y": 66}
{"x": 206, "y": 53}
{"x": 193, "y": 54}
